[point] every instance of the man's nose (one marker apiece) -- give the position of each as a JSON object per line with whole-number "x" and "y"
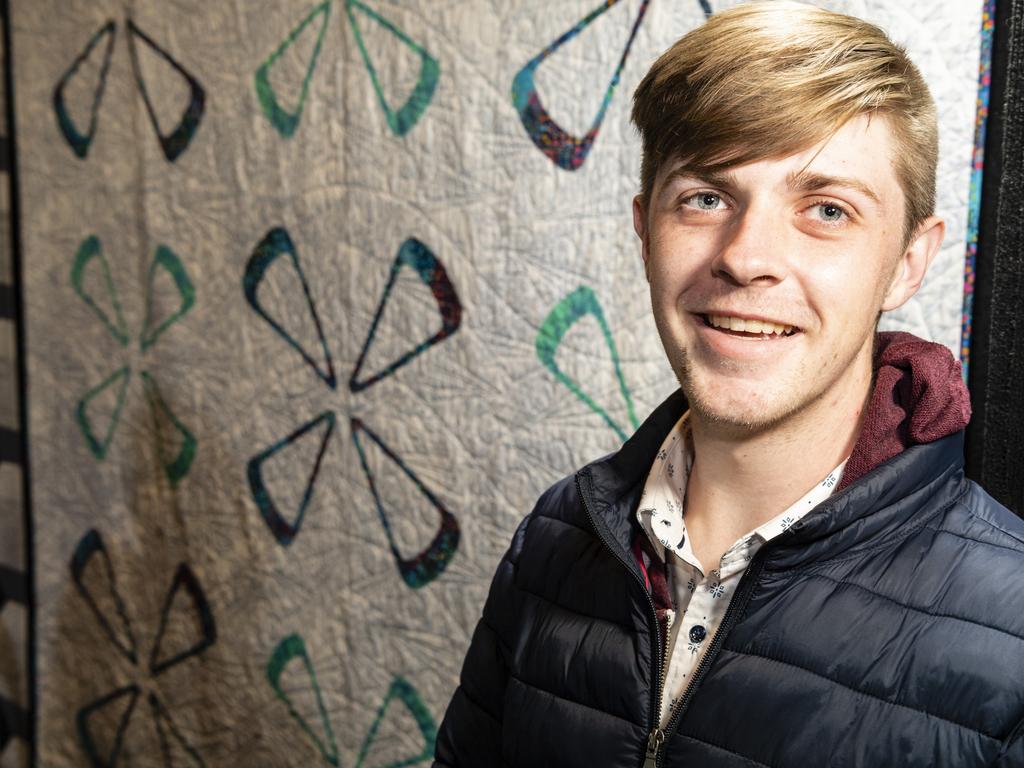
{"x": 753, "y": 248}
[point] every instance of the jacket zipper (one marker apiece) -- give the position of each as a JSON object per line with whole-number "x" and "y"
{"x": 736, "y": 606}
{"x": 656, "y": 738}
{"x": 657, "y": 735}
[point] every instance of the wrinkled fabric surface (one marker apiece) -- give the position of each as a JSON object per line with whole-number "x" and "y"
{"x": 884, "y": 628}
{"x": 219, "y": 433}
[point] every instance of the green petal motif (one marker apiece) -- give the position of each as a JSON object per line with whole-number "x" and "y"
{"x": 99, "y": 445}
{"x": 175, "y": 465}
{"x": 294, "y": 647}
{"x": 165, "y": 260}
{"x": 566, "y": 313}
{"x": 400, "y": 120}
{"x": 89, "y": 252}
{"x": 284, "y": 121}
{"x": 400, "y": 689}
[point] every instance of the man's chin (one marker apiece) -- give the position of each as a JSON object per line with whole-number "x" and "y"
{"x": 737, "y": 420}
{"x": 740, "y": 406}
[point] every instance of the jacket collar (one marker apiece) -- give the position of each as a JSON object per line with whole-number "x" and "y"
{"x": 615, "y": 482}
{"x": 872, "y": 509}
{"x": 892, "y": 499}
{"x": 917, "y": 383}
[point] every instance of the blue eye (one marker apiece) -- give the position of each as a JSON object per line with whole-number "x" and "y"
{"x": 707, "y": 201}
{"x": 830, "y": 213}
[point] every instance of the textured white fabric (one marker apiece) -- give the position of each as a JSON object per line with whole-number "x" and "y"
{"x": 701, "y": 598}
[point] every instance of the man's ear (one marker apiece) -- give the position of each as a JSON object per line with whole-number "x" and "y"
{"x": 914, "y": 262}
{"x": 640, "y": 227}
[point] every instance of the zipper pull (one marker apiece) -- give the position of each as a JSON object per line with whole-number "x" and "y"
{"x": 654, "y": 743}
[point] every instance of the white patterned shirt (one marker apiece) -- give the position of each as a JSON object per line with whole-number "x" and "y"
{"x": 700, "y": 599}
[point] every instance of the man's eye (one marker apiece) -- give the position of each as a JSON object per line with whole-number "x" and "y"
{"x": 830, "y": 213}
{"x": 706, "y": 201}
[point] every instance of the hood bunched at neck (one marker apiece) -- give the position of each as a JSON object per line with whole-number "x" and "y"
{"x": 919, "y": 397}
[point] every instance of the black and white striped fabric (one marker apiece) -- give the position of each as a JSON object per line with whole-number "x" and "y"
{"x": 14, "y": 584}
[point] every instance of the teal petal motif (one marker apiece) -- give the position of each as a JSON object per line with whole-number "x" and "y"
{"x": 90, "y": 250}
{"x": 284, "y": 121}
{"x": 98, "y": 446}
{"x": 294, "y": 647}
{"x": 400, "y": 120}
{"x": 566, "y": 313}
{"x": 78, "y": 141}
{"x": 166, "y": 261}
{"x": 400, "y": 689}
{"x": 175, "y": 465}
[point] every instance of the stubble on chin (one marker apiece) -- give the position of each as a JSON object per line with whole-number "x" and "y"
{"x": 738, "y": 421}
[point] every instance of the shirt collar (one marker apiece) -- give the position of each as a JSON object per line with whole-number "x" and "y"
{"x": 662, "y": 504}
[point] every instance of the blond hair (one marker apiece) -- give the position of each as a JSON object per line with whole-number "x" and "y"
{"x": 767, "y": 79}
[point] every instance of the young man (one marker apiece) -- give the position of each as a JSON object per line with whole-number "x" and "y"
{"x": 785, "y": 565}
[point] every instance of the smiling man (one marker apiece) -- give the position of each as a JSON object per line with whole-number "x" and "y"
{"x": 785, "y": 565}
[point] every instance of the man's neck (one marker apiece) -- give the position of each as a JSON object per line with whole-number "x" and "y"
{"x": 739, "y": 481}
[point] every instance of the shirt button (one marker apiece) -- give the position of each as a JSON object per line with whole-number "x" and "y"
{"x": 697, "y": 633}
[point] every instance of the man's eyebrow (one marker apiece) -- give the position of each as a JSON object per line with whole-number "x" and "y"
{"x": 711, "y": 178}
{"x": 810, "y": 182}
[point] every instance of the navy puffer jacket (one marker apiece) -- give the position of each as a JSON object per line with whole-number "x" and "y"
{"x": 886, "y": 628}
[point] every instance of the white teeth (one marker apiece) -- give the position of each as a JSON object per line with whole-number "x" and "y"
{"x": 749, "y": 326}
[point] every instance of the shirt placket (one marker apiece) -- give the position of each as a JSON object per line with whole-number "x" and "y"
{"x": 702, "y": 602}
{"x": 707, "y": 607}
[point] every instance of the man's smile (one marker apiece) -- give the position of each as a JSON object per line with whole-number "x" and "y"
{"x": 754, "y": 327}
{"x": 744, "y": 337}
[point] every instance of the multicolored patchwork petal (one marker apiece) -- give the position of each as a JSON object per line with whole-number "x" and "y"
{"x": 565, "y": 150}
{"x": 285, "y": 530}
{"x": 276, "y": 243}
{"x": 432, "y": 273}
{"x": 427, "y": 565}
